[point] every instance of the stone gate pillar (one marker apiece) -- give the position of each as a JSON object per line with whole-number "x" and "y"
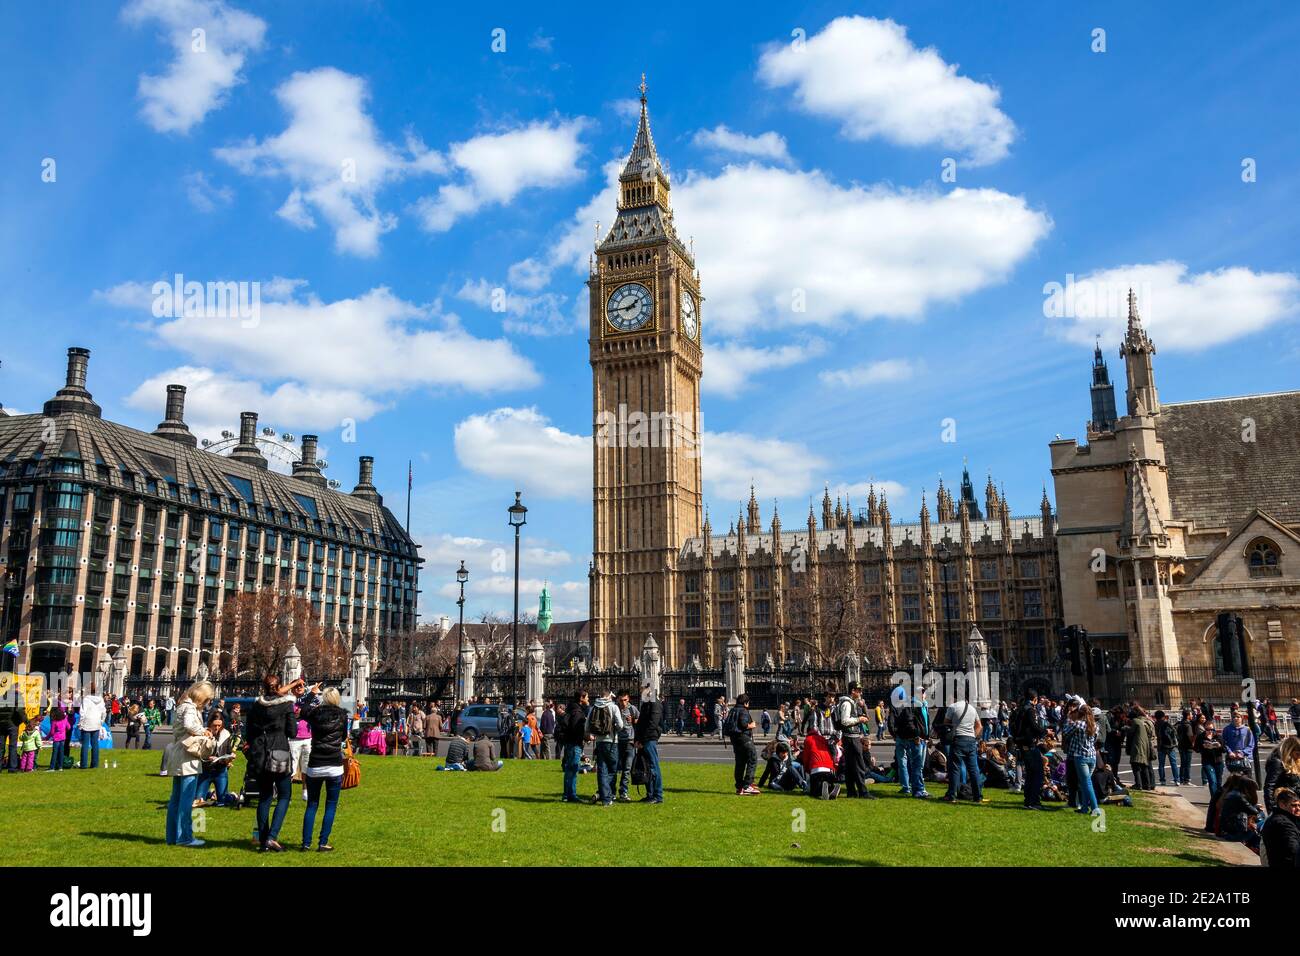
{"x": 117, "y": 672}
{"x": 852, "y": 669}
{"x": 651, "y": 668}
{"x": 467, "y": 664}
{"x": 977, "y": 670}
{"x": 361, "y": 672}
{"x": 534, "y": 677}
{"x": 733, "y": 670}
{"x": 291, "y": 669}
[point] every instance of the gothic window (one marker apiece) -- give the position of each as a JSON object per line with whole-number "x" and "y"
{"x": 762, "y": 581}
{"x": 692, "y": 615}
{"x": 990, "y": 604}
{"x": 907, "y": 574}
{"x": 1029, "y": 568}
{"x": 913, "y": 643}
{"x": 1033, "y": 599}
{"x": 1262, "y": 559}
{"x": 692, "y": 586}
{"x": 911, "y": 607}
{"x": 988, "y": 570}
{"x": 948, "y": 571}
{"x": 762, "y": 613}
{"x": 871, "y": 575}
{"x": 1035, "y": 646}
{"x": 726, "y": 581}
{"x": 994, "y": 639}
{"x": 727, "y": 614}
{"x": 951, "y": 607}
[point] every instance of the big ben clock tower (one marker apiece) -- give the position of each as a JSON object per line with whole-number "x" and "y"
{"x": 646, "y": 364}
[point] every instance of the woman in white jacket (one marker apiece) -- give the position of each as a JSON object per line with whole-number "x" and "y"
{"x": 90, "y": 723}
{"x": 184, "y": 766}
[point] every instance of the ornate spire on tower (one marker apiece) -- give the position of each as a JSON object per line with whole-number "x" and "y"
{"x": 827, "y": 514}
{"x": 1137, "y": 351}
{"x": 754, "y": 520}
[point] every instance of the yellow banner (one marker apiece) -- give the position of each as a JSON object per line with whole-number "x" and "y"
{"x": 22, "y": 688}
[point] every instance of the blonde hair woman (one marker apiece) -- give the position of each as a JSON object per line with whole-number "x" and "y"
{"x": 1282, "y": 770}
{"x": 183, "y": 761}
{"x": 329, "y": 727}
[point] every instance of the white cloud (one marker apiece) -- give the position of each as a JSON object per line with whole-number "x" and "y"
{"x": 334, "y": 158}
{"x": 203, "y": 194}
{"x": 1180, "y": 310}
{"x": 767, "y": 145}
{"x": 483, "y": 556}
{"x": 731, "y": 365}
{"x": 870, "y": 373}
{"x": 529, "y": 275}
{"x": 214, "y": 400}
{"x": 858, "y": 491}
{"x": 856, "y": 252}
{"x": 205, "y": 65}
{"x": 778, "y": 469}
{"x": 868, "y": 75}
{"x": 542, "y": 314}
{"x": 496, "y": 167}
{"x": 522, "y": 445}
{"x": 351, "y": 354}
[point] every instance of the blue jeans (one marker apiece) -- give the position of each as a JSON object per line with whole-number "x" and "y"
{"x": 963, "y": 762}
{"x": 56, "y": 754}
{"x": 268, "y": 786}
{"x": 571, "y": 761}
{"x": 1173, "y": 765}
{"x": 900, "y": 765}
{"x": 90, "y": 748}
{"x": 1083, "y": 768}
{"x": 1185, "y": 762}
{"x": 914, "y": 750}
{"x": 654, "y": 787}
{"x": 219, "y": 779}
{"x": 333, "y": 787}
{"x": 606, "y": 769}
{"x": 180, "y": 810}
{"x": 148, "y": 736}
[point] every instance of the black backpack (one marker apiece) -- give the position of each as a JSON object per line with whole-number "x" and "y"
{"x": 600, "y": 723}
{"x": 640, "y": 769}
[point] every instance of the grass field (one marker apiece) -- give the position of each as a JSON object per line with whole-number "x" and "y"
{"x": 405, "y": 813}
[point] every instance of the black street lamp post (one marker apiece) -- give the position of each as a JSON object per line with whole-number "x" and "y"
{"x": 462, "y": 575}
{"x": 944, "y": 557}
{"x": 518, "y": 518}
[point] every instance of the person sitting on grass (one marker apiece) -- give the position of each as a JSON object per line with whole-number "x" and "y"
{"x": 782, "y": 772}
{"x": 1237, "y": 811}
{"x": 820, "y": 765}
{"x": 1109, "y": 791}
{"x": 216, "y": 767}
{"x": 457, "y": 754}
{"x": 484, "y": 758}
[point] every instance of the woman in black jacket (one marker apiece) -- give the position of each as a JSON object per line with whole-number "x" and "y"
{"x": 271, "y": 723}
{"x": 329, "y": 728}
{"x": 1282, "y": 770}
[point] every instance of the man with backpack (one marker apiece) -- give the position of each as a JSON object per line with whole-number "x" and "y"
{"x": 910, "y": 731}
{"x": 963, "y": 751}
{"x": 571, "y": 734}
{"x": 1027, "y": 729}
{"x": 849, "y": 719}
{"x": 739, "y": 726}
{"x": 604, "y": 723}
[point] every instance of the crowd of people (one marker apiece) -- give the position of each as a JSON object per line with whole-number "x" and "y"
{"x": 1067, "y": 751}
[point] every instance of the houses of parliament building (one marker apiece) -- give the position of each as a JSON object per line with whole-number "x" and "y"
{"x": 845, "y": 581}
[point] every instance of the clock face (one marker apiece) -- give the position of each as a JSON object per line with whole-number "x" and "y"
{"x": 630, "y": 307}
{"x": 690, "y": 317}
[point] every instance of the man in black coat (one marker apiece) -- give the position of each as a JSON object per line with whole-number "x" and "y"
{"x": 1027, "y": 730}
{"x": 571, "y": 733}
{"x": 10, "y": 717}
{"x": 647, "y": 742}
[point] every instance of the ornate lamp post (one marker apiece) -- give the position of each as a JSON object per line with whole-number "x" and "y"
{"x": 462, "y": 575}
{"x": 945, "y": 556}
{"x": 518, "y": 518}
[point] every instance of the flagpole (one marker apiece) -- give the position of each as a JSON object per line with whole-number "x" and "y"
{"x": 410, "y": 477}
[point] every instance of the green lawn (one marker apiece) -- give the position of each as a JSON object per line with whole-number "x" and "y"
{"x": 405, "y": 813}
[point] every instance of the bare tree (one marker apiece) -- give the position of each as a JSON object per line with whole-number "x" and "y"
{"x": 832, "y": 617}
{"x": 259, "y": 626}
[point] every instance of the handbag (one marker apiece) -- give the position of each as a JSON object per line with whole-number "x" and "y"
{"x": 351, "y": 768}
{"x": 199, "y": 746}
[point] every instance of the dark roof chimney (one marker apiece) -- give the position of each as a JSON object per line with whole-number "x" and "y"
{"x": 173, "y": 426}
{"x": 247, "y": 450}
{"x": 366, "y": 482}
{"x": 306, "y": 468}
{"x": 73, "y": 397}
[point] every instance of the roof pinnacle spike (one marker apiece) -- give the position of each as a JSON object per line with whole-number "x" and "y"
{"x": 642, "y": 86}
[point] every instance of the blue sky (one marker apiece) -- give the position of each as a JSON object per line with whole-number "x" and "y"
{"x": 807, "y": 148}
